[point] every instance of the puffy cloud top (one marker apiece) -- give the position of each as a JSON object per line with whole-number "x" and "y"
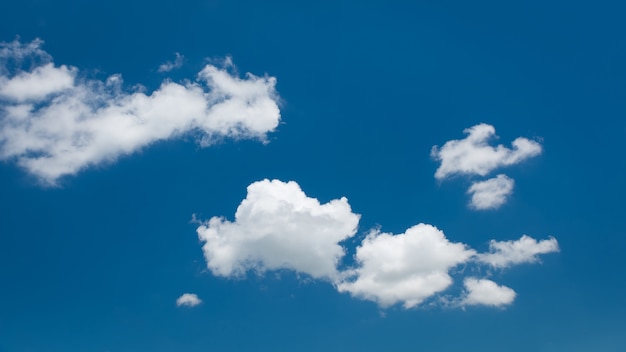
{"x": 278, "y": 226}
{"x": 406, "y": 268}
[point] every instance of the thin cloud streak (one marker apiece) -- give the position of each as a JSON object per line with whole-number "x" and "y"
{"x": 172, "y": 65}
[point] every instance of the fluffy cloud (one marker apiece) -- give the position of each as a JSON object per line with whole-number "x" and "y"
{"x": 525, "y": 250}
{"x": 405, "y": 268}
{"x": 53, "y": 123}
{"x": 492, "y": 193}
{"x": 278, "y": 227}
{"x": 486, "y": 292}
{"x": 188, "y": 299}
{"x": 474, "y": 156}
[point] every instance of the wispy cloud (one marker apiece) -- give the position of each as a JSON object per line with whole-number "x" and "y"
{"x": 492, "y": 193}
{"x": 188, "y": 300}
{"x": 172, "y": 65}
{"x": 277, "y": 226}
{"x": 55, "y": 123}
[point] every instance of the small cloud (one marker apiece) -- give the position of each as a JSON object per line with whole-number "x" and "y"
{"x": 188, "y": 300}
{"x": 486, "y": 292}
{"x": 492, "y": 193}
{"x": 37, "y": 84}
{"x": 474, "y": 156}
{"x": 503, "y": 254}
{"x": 17, "y": 51}
{"x": 171, "y": 65}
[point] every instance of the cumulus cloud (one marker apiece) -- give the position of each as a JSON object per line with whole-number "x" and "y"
{"x": 188, "y": 299}
{"x": 171, "y": 65}
{"x": 486, "y": 292}
{"x": 277, "y": 226}
{"x": 474, "y": 156}
{"x": 406, "y": 268}
{"x": 54, "y": 123}
{"x": 492, "y": 193}
{"x": 503, "y": 254}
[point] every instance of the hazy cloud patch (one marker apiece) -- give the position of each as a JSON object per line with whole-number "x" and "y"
{"x": 172, "y": 65}
{"x": 188, "y": 300}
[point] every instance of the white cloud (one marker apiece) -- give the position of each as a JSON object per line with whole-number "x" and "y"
{"x": 406, "y": 268}
{"x": 473, "y": 155}
{"x": 37, "y": 84}
{"x": 486, "y": 292}
{"x": 53, "y": 124}
{"x": 278, "y": 227}
{"x": 525, "y": 250}
{"x": 169, "y": 66}
{"x": 188, "y": 299}
{"x": 492, "y": 193}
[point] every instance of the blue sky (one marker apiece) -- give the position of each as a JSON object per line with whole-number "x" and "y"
{"x": 112, "y": 192}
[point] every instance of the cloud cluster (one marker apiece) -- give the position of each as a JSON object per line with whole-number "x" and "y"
{"x": 55, "y": 123}
{"x": 188, "y": 300}
{"x": 474, "y": 156}
{"x": 277, "y": 226}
